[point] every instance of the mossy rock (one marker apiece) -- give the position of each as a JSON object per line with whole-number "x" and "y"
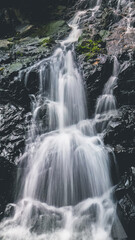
{"x": 19, "y": 53}
{"x": 10, "y": 39}
{"x": 15, "y": 67}
{"x": 45, "y": 42}
{"x": 91, "y": 48}
{"x": 51, "y": 29}
{"x": 1, "y": 69}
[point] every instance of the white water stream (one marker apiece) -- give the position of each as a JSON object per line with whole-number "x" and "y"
{"x": 64, "y": 188}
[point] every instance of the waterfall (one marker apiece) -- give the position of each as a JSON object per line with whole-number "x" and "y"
{"x": 64, "y": 188}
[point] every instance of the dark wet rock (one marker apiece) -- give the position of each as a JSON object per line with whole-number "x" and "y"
{"x": 13, "y": 126}
{"x": 125, "y": 91}
{"x": 12, "y": 131}
{"x": 98, "y": 76}
{"x": 120, "y": 134}
{"x": 96, "y": 72}
{"x": 33, "y": 83}
{"x": 14, "y": 91}
{"x": 8, "y": 21}
{"x": 7, "y": 183}
{"x": 125, "y": 193}
{"x": 109, "y": 17}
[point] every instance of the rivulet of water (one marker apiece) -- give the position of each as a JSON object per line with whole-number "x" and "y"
{"x": 64, "y": 185}
{"x": 106, "y": 103}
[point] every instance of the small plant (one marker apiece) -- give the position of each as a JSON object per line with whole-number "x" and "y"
{"x": 45, "y": 41}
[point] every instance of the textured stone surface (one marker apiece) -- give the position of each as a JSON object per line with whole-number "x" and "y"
{"x": 125, "y": 194}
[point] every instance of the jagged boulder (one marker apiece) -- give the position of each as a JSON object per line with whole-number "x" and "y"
{"x": 125, "y": 193}
{"x": 12, "y": 131}
{"x": 7, "y": 183}
{"x": 120, "y": 134}
{"x": 125, "y": 91}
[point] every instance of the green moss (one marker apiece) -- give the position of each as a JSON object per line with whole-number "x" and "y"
{"x": 90, "y": 47}
{"x": 10, "y": 39}
{"x": 45, "y": 42}
{"x": 18, "y": 53}
{"x": 1, "y": 68}
{"x": 50, "y": 29}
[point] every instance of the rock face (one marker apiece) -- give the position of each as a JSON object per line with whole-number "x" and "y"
{"x": 25, "y": 41}
{"x": 125, "y": 194}
{"x": 7, "y": 183}
{"x": 121, "y": 136}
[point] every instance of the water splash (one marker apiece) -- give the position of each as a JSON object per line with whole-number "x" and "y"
{"x": 90, "y": 219}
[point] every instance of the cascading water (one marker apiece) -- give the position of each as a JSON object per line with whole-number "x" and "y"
{"x": 64, "y": 185}
{"x": 106, "y": 103}
{"x": 118, "y": 4}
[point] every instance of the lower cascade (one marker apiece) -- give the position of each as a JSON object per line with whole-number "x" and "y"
{"x": 64, "y": 187}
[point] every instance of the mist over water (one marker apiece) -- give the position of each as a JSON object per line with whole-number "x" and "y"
{"x": 64, "y": 188}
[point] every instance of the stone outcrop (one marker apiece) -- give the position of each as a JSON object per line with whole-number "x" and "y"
{"x": 125, "y": 194}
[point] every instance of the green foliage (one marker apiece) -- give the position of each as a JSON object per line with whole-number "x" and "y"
{"x": 50, "y": 29}
{"x": 1, "y": 68}
{"x": 90, "y": 47}
{"x": 10, "y": 39}
{"x": 46, "y": 41}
